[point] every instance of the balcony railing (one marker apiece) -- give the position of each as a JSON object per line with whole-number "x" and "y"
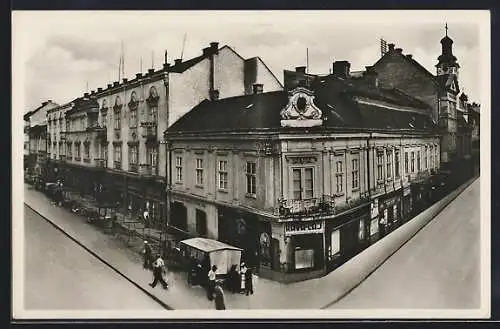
{"x": 323, "y": 205}
{"x": 147, "y": 170}
{"x": 133, "y": 167}
{"x": 101, "y": 163}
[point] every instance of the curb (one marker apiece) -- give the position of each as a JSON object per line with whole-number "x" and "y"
{"x": 60, "y": 229}
{"x": 458, "y": 191}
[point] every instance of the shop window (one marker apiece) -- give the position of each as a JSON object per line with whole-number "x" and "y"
{"x": 223, "y": 175}
{"x": 374, "y": 226}
{"x": 251, "y": 178}
{"x": 406, "y": 163}
{"x": 201, "y": 223}
{"x": 178, "y": 169}
{"x": 334, "y": 249}
{"x": 380, "y": 168}
{"x": 361, "y": 230}
{"x": 355, "y": 174}
{"x": 199, "y": 172}
{"x": 304, "y": 259}
{"x": 302, "y": 183}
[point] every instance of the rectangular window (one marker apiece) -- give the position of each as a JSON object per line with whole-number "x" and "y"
{"x": 70, "y": 150}
{"x": 77, "y": 150}
{"x": 61, "y": 152}
{"x": 339, "y": 176}
{"x": 431, "y": 153}
{"x": 406, "y": 162}
{"x": 418, "y": 161}
{"x": 153, "y": 113}
{"x": 426, "y": 165}
{"x": 178, "y": 169}
{"x": 303, "y": 183}
{"x": 133, "y": 154}
{"x": 223, "y": 175}
{"x": 152, "y": 159}
{"x": 412, "y": 163}
{"x": 117, "y": 120}
{"x": 355, "y": 173}
{"x": 133, "y": 119}
{"x": 396, "y": 163}
{"x": 86, "y": 148}
{"x": 380, "y": 166}
{"x": 199, "y": 171}
{"x": 389, "y": 164}
{"x": 103, "y": 120}
{"x": 251, "y": 178}
{"x": 118, "y": 153}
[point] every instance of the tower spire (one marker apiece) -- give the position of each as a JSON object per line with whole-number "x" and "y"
{"x": 446, "y": 29}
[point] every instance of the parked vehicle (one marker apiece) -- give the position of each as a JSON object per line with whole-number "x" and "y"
{"x": 208, "y": 252}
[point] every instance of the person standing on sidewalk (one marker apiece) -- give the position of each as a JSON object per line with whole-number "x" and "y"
{"x": 243, "y": 274}
{"x": 249, "y": 282}
{"x": 211, "y": 282}
{"x": 219, "y": 297}
{"x": 158, "y": 270}
{"x": 148, "y": 255}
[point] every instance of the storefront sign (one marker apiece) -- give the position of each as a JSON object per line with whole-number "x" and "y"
{"x": 292, "y": 228}
{"x": 389, "y": 202}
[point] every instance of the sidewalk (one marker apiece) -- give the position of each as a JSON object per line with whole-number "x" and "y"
{"x": 311, "y": 294}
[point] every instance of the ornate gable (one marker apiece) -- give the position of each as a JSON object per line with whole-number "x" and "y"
{"x": 301, "y": 110}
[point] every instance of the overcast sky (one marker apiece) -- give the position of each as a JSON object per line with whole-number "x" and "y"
{"x": 57, "y": 53}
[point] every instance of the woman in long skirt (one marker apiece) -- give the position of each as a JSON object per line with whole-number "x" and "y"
{"x": 243, "y": 273}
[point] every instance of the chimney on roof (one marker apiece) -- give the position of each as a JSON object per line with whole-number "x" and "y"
{"x": 49, "y": 101}
{"x": 92, "y": 92}
{"x": 151, "y": 71}
{"x": 138, "y": 75}
{"x": 99, "y": 89}
{"x": 177, "y": 61}
{"x": 124, "y": 80}
{"x": 116, "y": 83}
{"x": 341, "y": 69}
{"x": 391, "y": 46}
{"x": 371, "y": 76}
{"x": 214, "y": 46}
{"x": 110, "y": 85}
{"x": 398, "y": 50}
{"x": 206, "y": 51}
{"x": 409, "y": 56}
{"x": 300, "y": 69}
{"x": 165, "y": 59}
{"x": 45, "y": 103}
{"x": 258, "y": 88}
{"x": 214, "y": 95}
{"x": 166, "y": 66}
{"x": 86, "y": 95}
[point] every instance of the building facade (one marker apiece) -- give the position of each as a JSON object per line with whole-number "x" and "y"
{"x": 35, "y": 138}
{"x": 114, "y": 144}
{"x": 439, "y": 91}
{"x": 302, "y": 179}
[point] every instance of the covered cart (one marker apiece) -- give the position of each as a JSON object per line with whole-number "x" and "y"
{"x": 207, "y": 252}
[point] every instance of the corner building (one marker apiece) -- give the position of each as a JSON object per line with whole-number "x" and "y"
{"x": 302, "y": 179}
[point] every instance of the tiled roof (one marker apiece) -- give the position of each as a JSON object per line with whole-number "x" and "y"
{"x": 411, "y": 60}
{"x": 262, "y": 112}
{"x": 183, "y": 66}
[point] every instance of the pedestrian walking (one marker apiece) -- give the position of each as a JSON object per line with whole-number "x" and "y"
{"x": 158, "y": 271}
{"x": 211, "y": 282}
{"x": 249, "y": 281}
{"x": 148, "y": 255}
{"x": 243, "y": 273}
{"x": 219, "y": 297}
{"x": 234, "y": 279}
